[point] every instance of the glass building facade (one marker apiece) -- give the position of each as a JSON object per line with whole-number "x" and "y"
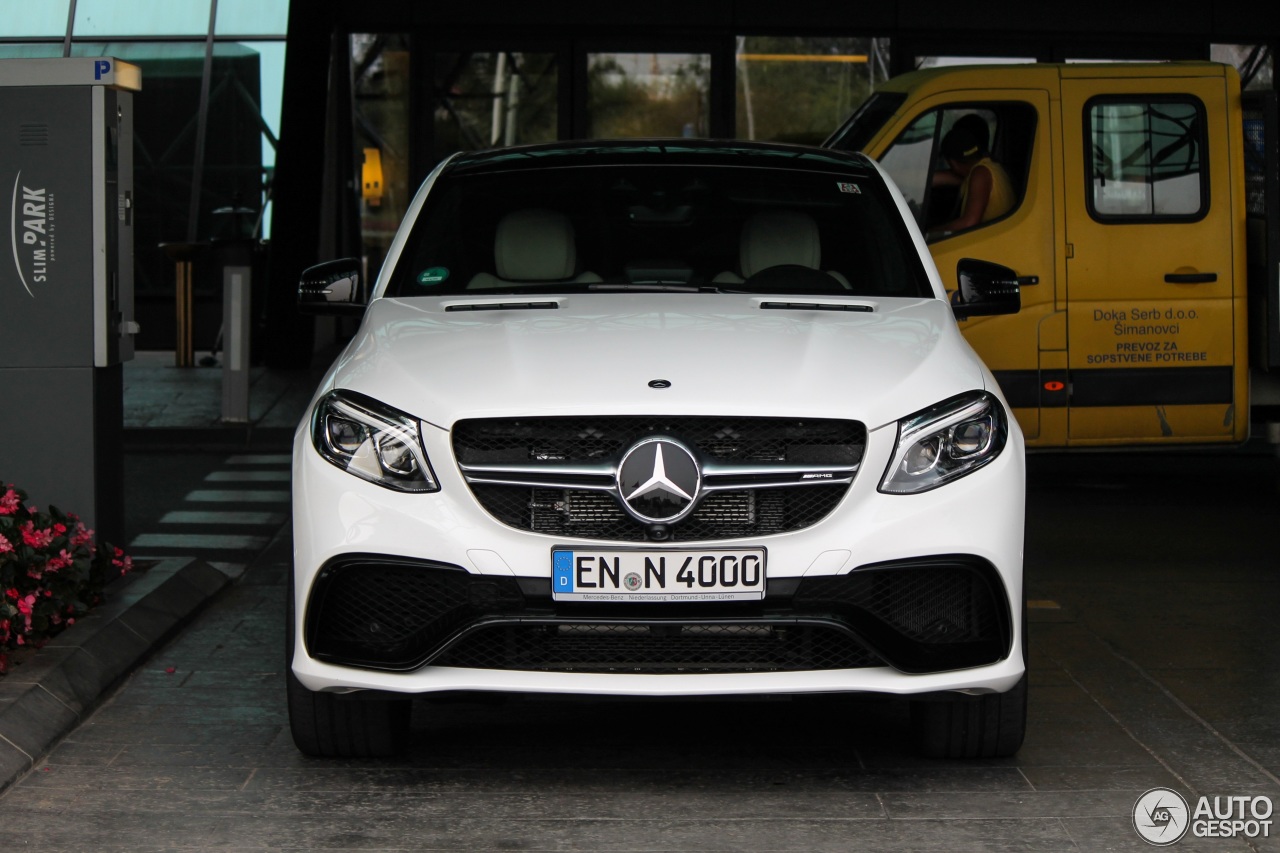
{"x": 380, "y": 93}
{"x": 206, "y": 126}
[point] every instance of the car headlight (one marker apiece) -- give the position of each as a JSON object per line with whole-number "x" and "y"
{"x": 372, "y": 441}
{"x": 945, "y": 442}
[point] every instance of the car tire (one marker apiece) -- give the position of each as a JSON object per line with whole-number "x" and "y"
{"x": 328, "y": 725}
{"x": 989, "y": 726}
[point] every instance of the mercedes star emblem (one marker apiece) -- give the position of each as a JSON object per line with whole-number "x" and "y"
{"x": 658, "y": 480}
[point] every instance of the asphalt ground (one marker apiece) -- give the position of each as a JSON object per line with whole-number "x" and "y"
{"x": 1153, "y": 581}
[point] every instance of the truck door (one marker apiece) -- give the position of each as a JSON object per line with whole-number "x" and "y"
{"x": 1151, "y": 318}
{"x": 1018, "y": 124}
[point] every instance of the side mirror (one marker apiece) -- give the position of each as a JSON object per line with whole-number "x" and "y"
{"x": 985, "y": 288}
{"x": 334, "y": 287}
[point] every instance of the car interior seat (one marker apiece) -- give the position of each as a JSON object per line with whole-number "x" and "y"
{"x": 773, "y": 238}
{"x": 533, "y": 245}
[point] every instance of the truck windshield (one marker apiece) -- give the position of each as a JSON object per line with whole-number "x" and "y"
{"x": 866, "y": 122}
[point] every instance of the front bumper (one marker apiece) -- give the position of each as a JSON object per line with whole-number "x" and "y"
{"x": 395, "y": 615}
{"x": 448, "y": 612}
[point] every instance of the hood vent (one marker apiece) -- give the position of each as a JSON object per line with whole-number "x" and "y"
{"x": 816, "y": 306}
{"x": 504, "y": 306}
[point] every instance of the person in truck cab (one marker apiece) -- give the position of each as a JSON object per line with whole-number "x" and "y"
{"x": 985, "y": 189}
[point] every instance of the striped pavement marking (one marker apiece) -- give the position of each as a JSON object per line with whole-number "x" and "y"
{"x": 202, "y": 541}
{"x": 238, "y": 496}
{"x": 260, "y": 459}
{"x": 230, "y": 569}
{"x": 248, "y": 477}
{"x": 255, "y": 506}
{"x": 236, "y": 517}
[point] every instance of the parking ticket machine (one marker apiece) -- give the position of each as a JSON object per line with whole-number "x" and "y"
{"x": 66, "y": 281}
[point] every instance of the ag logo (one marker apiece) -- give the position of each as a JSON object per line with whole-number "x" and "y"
{"x": 1161, "y": 817}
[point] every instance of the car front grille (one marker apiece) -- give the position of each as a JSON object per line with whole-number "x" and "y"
{"x": 598, "y": 515}
{"x": 555, "y": 476}
{"x": 392, "y": 614}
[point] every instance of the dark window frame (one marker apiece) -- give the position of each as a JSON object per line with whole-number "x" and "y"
{"x": 1146, "y": 101}
{"x": 1002, "y": 108}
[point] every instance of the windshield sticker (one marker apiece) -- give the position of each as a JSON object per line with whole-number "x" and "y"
{"x": 434, "y": 275}
{"x": 849, "y": 188}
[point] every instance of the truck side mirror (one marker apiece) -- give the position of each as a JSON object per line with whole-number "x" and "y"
{"x": 334, "y": 287}
{"x": 985, "y": 288}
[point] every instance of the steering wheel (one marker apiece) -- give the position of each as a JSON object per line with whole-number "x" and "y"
{"x": 791, "y": 278}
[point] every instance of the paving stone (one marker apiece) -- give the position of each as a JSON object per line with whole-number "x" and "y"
{"x": 201, "y": 757}
{"x": 13, "y": 764}
{"x": 34, "y": 720}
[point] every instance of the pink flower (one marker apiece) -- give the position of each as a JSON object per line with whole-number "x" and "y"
{"x": 59, "y": 562}
{"x": 125, "y": 564}
{"x": 9, "y": 502}
{"x": 5, "y": 546}
{"x": 26, "y": 604}
{"x": 82, "y": 536}
{"x": 36, "y": 538}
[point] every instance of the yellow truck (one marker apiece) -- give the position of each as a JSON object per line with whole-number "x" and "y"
{"x": 1143, "y": 229}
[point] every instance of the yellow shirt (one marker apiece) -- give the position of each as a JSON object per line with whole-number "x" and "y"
{"x": 1002, "y": 198}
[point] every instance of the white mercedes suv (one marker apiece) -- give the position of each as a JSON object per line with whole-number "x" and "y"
{"x": 657, "y": 417}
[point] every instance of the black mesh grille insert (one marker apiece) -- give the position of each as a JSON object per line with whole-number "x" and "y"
{"x": 926, "y": 605}
{"x": 591, "y": 514}
{"x": 659, "y": 648}
{"x": 922, "y": 616}
{"x": 596, "y": 515}
{"x": 389, "y": 614}
{"x": 819, "y": 441}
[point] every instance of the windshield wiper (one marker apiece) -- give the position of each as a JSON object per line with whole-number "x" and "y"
{"x": 651, "y": 287}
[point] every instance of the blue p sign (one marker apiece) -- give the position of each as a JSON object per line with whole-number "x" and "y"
{"x": 100, "y": 67}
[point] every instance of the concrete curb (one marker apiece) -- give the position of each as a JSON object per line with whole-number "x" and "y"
{"x": 58, "y": 687}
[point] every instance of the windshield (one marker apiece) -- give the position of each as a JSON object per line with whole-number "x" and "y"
{"x": 684, "y": 227}
{"x": 866, "y": 122}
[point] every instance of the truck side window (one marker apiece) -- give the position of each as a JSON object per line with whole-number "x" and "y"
{"x": 1146, "y": 159}
{"x": 1005, "y": 131}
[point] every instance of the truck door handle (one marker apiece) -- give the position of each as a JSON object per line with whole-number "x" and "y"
{"x": 1190, "y": 277}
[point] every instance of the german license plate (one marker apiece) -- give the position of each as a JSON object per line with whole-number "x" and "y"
{"x": 604, "y": 574}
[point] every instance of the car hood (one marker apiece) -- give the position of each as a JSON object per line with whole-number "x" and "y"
{"x": 445, "y": 359}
